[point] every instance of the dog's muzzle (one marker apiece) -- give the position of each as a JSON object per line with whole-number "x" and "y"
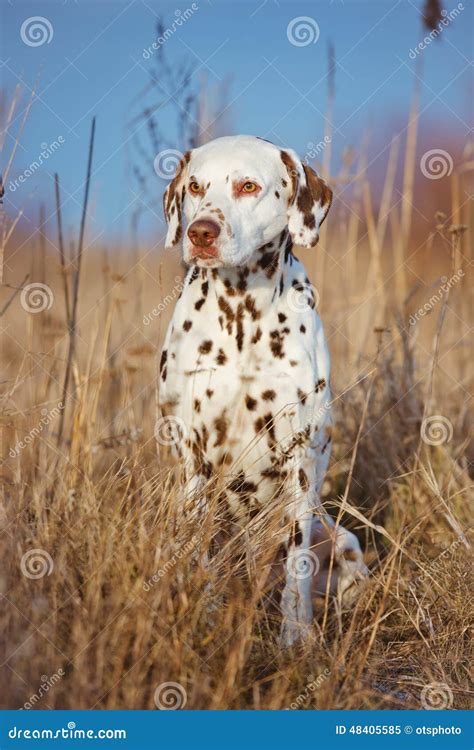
{"x": 203, "y": 233}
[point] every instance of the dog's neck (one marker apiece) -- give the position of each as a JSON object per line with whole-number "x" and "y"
{"x": 262, "y": 273}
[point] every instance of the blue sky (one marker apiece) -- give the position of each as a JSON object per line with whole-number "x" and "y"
{"x": 94, "y": 65}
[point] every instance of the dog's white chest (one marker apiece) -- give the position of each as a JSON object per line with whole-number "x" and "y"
{"x": 245, "y": 368}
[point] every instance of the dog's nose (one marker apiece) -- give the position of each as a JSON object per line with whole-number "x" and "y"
{"x": 203, "y": 232}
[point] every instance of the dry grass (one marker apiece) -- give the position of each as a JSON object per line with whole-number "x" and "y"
{"x": 102, "y": 503}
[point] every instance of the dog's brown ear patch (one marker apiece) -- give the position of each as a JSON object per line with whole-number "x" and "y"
{"x": 292, "y": 170}
{"x": 173, "y": 202}
{"x": 315, "y": 192}
{"x": 309, "y": 201}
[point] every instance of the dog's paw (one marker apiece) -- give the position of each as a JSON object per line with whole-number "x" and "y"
{"x": 293, "y": 633}
{"x": 339, "y": 555}
{"x": 352, "y": 571}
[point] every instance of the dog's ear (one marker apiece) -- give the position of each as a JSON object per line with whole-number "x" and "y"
{"x": 309, "y": 202}
{"x": 173, "y": 202}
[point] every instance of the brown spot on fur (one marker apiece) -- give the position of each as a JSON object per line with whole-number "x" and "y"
{"x": 350, "y": 554}
{"x": 229, "y": 288}
{"x": 225, "y": 459}
{"x": 228, "y": 312}
{"x": 266, "y": 423}
{"x": 323, "y": 449}
{"x": 292, "y": 173}
{"x": 201, "y": 466}
{"x": 276, "y": 344}
{"x": 187, "y": 325}
{"x": 257, "y": 335}
{"x": 199, "y": 303}
{"x": 220, "y": 425}
{"x": 303, "y": 479}
{"x": 268, "y": 263}
{"x": 240, "y": 327}
{"x": 163, "y": 360}
{"x": 242, "y": 282}
{"x": 302, "y": 396}
{"x": 250, "y": 403}
{"x": 268, "y": 395}
{"x": 241, "y": 486}
{"x": 205, "y": 347}
{"x": 251, "y": 307}
{"x": 271, "y": 472}
{"x": 296, "y": 536}
{"x": 221, "y": 358}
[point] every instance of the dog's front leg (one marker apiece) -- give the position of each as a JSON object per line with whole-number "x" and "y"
{"x": 301, "y": 564}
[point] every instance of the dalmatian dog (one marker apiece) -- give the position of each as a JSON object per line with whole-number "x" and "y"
{"x": 244, "y": 369}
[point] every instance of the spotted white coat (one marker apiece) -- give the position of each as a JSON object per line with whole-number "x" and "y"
{"x": 245, "y": 366}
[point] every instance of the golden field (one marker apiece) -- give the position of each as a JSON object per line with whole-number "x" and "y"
{"x": 83, "y": 623}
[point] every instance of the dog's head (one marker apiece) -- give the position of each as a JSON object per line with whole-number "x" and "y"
{"x": 235, "y": 194}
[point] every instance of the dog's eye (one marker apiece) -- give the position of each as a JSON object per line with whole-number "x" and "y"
{"x": 194, "y": 187}
{"x": 249, "y": 187}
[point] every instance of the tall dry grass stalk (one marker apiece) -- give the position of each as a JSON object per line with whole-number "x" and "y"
{"x": 72, "y": 320}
